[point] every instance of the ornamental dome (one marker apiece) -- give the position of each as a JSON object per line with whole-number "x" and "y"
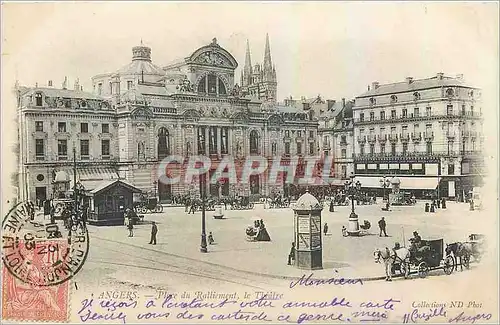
{"x": 141, "y": 64}
{"x": 61, "y": 177}
{"x": 308, "y": 202}
{"x": 395, "y": 181}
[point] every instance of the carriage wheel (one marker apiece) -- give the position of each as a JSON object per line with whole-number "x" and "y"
{"x": 251, "y": 205}
{"x": 466, "y": 261}
{"x": 449, "y": 265}
{"x": 404, "y": 269}
{"x": 159, "y": 208}
{"x": 141, "y": 209}
{"x": 423, "y": 270}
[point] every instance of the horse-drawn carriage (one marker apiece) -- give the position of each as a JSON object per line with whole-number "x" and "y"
{"x": 277, "y": 203}
{"x": 148, "y": 204}
{"x": 242, "y": 203}
{"x": 428, "y": 256}
{"x": 462, "y": 252}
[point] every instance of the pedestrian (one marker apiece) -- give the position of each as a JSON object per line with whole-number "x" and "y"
{"x": 382, "y": 225}
{"x": 130, "y": 222}
{"x": 154, "y": 231}
{"x": 325, "y": 228}
{"x": 291, "y": 256}
{"x": 211, "y": 240}
{"x": 331, "y": 206}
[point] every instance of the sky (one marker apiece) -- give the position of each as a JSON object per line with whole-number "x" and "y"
{"x": 332, "y": 49}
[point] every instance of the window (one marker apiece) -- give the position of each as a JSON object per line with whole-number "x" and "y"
{"x": 404, "y": 129}
{"x": 382, "y": 115}
{"x": 429, "y": 147}
{"x": 274, "y": 148}
{"x": 372, "y": 116}
{"x": 405, "y": 113}
{"x": 39, "y": 126}
{"x": 130, "y": 84}
{"x": 311, "y": 134}
{"x": 99, "y": 88}
{"x": 416, "y": 112}
{"x": 62, "y": 149}
{"x": 416, "y": 96}
{"x": 105, "y": 148}
{"x": 382, "y": 148}
{"x": 311, "y": 149}
{"x": 38, "y": 99}
{"x": 164, "y": 142}
{"x": 39, "y": 148}
{"x": 362, "y": 149}
{"x": 287, "y": 133}
{"x": 254, "y": 142}
{"x": 211, "y": 84}
{"x": 393, "y": 114}
{"x": 224, "y": 145}
{"x": 428, "y": 111}
{"x": 451, "y": 169}
{"x": 449, "y": 92}
{"x": 361, "y": 117}
{"x": 105, "y": 128}
{"x": 61, "y": 127}
{"x": 394, "y": 98}
{"x": 84, "y": 127}
{"x": 343, "y": 139}
{"x": 325, "y": 140}
{"x": 299, "y": 134}
{"x": 212, "y": 144}
{"x": 393, "y": 130}
{"x": 343, "y": 153}
{"x": 287, "y": 148}
{"x": 110, "y": 88}
{"x": 449, "y": 110}
{"x": 299, "y": 148}
{"x": 471, "y": 110}
{"x": 393, "y": 149}
{"x": 372, "y": 149}
{"x": 382, "y": 130}
{"x": 405, "y": 148}
{"x": 463, "y": 109}
{"x": 84, "y": 148}
{"x": 473, "y": 143}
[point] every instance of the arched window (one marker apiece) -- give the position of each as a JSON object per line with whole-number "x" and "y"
{"x": 373, "y": 101}
{"x": 416, "y": 95}
{"x": 38, "y": 99}
{"x": 254, "y": 142}
{"x": 450, "y": 92}
{"x": 394, "y": 98}
{"x": 212, "y": 85}
{"x": 163, "y": 143}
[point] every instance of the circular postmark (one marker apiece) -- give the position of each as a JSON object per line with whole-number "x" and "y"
{"x": 42, "y": 253}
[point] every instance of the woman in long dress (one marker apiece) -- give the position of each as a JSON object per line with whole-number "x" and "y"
{"x": 263, "y": 235}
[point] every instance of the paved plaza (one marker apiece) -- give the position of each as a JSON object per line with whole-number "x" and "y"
{"x": 233, "y": 256}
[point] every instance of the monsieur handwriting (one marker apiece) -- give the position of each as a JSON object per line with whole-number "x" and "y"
{"x": 307, "y": 280}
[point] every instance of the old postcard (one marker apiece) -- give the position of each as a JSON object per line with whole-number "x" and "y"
{"x": 249, "y": 162}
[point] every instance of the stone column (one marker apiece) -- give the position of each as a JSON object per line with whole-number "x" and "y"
{"x": 218, "y": 137}
{"x": 207, "y": 140}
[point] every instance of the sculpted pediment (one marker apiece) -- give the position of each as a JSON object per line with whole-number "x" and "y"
{"x": 275, "y": 120}
{"x": 141, "y": 113}
{"x": 240, "y": 117}
{"x": 213, "y": 55}
{"x": 191, "y": 115}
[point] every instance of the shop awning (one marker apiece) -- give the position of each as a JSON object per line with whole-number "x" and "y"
{"x": 407, "y": 183}
{"x": 91, "y": 177}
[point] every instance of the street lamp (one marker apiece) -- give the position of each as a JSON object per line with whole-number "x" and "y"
{"x": 385, "y": 183}
{"x": 352, "y": 188}
{"x": 203, "y": 246}
{"x": 154, "y": 184}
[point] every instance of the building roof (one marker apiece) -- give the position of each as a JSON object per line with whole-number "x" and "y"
{"x": 65, "y": 93}
{"x": 106, "y": 184}
{"x": 418, "y": 84}
{"x": 152, "y": 90}
{"x": 307, "y": 202}
{"x": 137, "y": 67}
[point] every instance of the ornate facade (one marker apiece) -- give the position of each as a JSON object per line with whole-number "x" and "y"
{"x": 141, "y": 113}
{"x": 429, "y": 131}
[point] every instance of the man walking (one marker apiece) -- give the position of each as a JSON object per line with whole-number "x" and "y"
{"x": 291, "y": 256}
{"x": 154, "y": 231}
{"x": 382, "y": 225}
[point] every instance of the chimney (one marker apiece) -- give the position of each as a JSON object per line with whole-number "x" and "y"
{"x": 440, "y": 75}
{"x": 65, "y": 83}
{"x": 77, "y": 84}
{"x": 375, "y": 84}
{"x": 368, "y": 87}
{"x": 49, "y": 83}
{"x": 81, "y": 88}
{"x": 460, "y": 76}
{"x": 409, "y": 80}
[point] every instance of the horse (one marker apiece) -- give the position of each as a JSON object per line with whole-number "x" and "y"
{"x": 462, "y": 251}
{"x": 390, "y": 258}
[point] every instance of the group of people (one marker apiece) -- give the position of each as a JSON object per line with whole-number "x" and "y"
{"x": 435, "y": 204}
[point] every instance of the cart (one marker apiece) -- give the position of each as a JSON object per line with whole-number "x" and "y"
{"x": 429, "y": 257}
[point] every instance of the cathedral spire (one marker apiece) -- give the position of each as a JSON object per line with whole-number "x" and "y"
{"x": 247, "y": 69}
{"x": 268, "y": 64}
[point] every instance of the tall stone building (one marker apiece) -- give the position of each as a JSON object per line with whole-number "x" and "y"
{"x": 428, "y": 132}
{"x": 141, "y": 113}
{"x": 260, "y": 81}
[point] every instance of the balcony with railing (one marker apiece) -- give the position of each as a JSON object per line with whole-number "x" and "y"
{"x": 361, "y": 138}
{"x": 418, "y": 117}
{"x": 393, "y": 137}
{"x": 382, "y": 138}
{"x": 405, "y": 137}
{"x": 416, "y": 136}
{"x": 400, "y": 156}
{"x": 429, "y": 135}
{"x": 372, "y": 138}
{"x": 451, "y": 135}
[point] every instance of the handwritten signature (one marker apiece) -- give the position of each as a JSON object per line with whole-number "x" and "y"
{"x": 416, "y": 314}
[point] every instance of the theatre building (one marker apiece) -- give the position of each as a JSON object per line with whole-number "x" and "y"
{"x": 141, "y": 113}
{"x": 428, "y": 132}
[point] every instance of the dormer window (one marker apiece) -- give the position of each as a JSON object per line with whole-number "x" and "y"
{"x": 99, "y": 88}
{"x": 416, "y": 95}
{"x": 129, "y": 84}
{"x": 373, "y": 101}
{"x": 394, "y": 98}
{"x": 450, "y": 92}
{"x": 38, "y": 99}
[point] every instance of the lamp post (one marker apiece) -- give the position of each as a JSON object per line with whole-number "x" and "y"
{"x": 154, "y": 184}
{"x": 385, "y": 183}
{"x": 352, "y": 188}
{"x": 203, "y": 246}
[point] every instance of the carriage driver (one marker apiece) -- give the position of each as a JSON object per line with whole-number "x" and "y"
{"x": 416, "y": 241}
